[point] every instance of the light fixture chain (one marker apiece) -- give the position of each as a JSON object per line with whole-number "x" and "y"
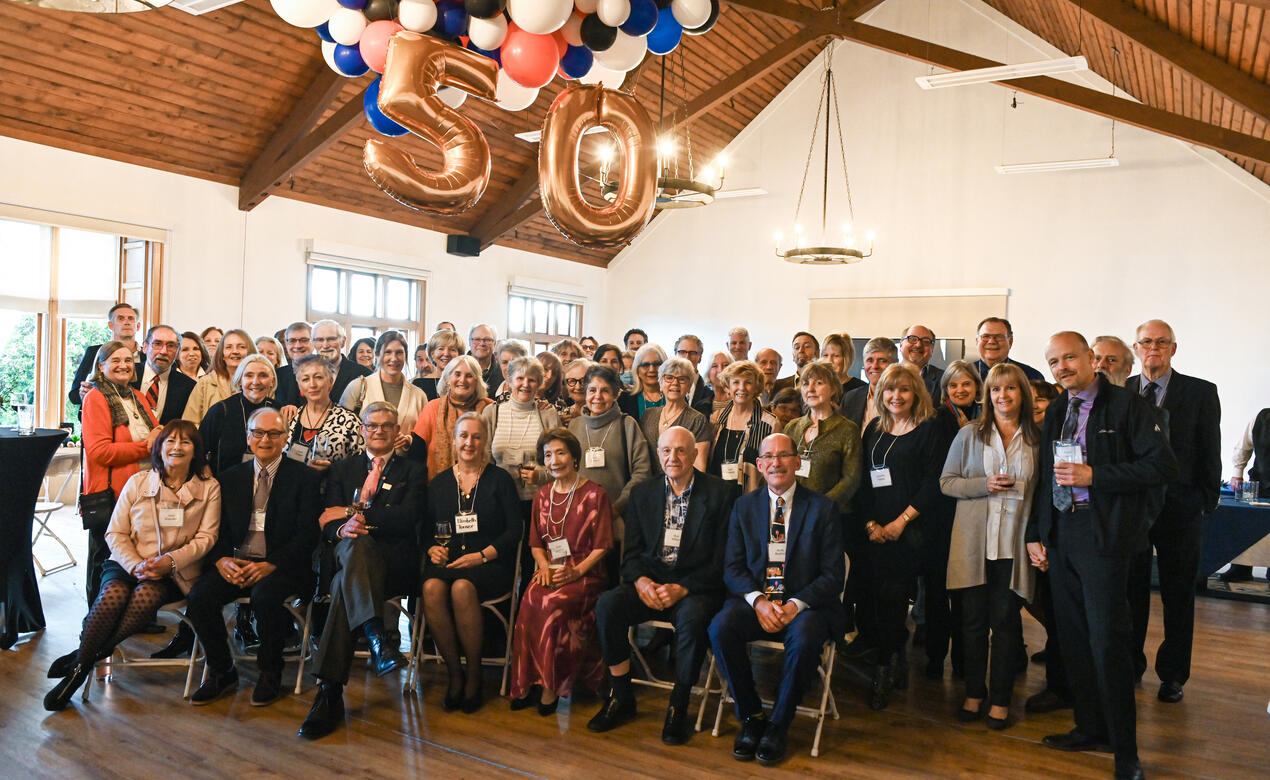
{"x": 815, "y": 129}
{"x": 846, "y": 177}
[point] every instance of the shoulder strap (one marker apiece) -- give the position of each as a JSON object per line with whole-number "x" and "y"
{"x": 626, "y": 453}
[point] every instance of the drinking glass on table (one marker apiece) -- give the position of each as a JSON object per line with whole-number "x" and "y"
{"x": 1250, "y": 490}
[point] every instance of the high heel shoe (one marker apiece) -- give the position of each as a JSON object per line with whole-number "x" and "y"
{"x": 530, "y": 698}
{"x": 57, "y": 699}
{"x": 547, "y": 710}
{"x": 62, "y": 666}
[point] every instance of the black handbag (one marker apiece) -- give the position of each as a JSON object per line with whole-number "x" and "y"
{"x": 95, "y": 509}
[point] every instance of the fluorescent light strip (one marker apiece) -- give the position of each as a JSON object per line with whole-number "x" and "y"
{"x": 1003, "y": 73}
{"x": 534, "y": 136}
{"x": 1059, "y": 165}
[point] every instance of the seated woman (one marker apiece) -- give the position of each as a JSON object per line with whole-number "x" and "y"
{"x": 475, "y": 563}
{"x": 462, "y": 390}
{"x": 165, "y": 521}
{"x": 740, "y": 427}
{"x": 218, "y": 383}
{"x": 646, "y": 392}
{"x": 991, "y": 471}
{"x": 676, "y": 375}
{"x": 321, "y": 433}
{"x": 443, "y": 346}
{"x": 388, "y": 383}
{"x": 224, "y": 427}
{"x": 572, "y": 530}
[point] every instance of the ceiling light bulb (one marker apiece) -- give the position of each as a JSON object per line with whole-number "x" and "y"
{"x": 870, "y": 236}
{"x": 666, "y": 147}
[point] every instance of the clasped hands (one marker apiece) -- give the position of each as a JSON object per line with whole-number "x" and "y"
{"x": 440, "y": 556}
{"x": 880, "y": 534}
{"x": 773, "y": 617}
{"x": 1038, "y": 555}
{"x": 659, "y": 596}
{"x": 242, "y": 573}
{"x": 554, "y": 578}
{"x": 155, "y": 568}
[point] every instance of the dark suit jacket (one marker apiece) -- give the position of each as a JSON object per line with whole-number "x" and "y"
{"x": 85, "y": 370}
{"x": 179, "y": 388}
{"x": 1130, "y": 457}
{"x": 781, "y": 384}
{"x": 814, "y": 565}
{"x": 400, "y": 505}
{"x": 287, "y": 393}
{"x": 348, "y": 371}
{"x": 1028, "y": 371}
{"x": 291, "y": 516}
{"x": 705, "y": 533}
{"x": 931, "y": 375}
{"x": 703, "y": 397}
{"x": 853, "y": 402}
{"x": 1194, "y": 431}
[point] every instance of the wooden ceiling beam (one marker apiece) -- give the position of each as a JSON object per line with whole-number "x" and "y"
{"x": 1130, "y": 112}
{"x": 500, "y": 218}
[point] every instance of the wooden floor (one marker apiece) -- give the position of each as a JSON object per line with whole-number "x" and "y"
{"x": 138, "y": 725}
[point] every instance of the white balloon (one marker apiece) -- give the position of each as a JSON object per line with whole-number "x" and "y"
{"x": 417, "y": 15}
{"x": 328, "y": 54}
{"x": 572, "y": 30}
{"x": 614, "y": 12}
{"x": 540, "y": 17}
{"x": 690, "y": 13}
{"x": 452, "y": 97}
{"x": 512, "y": 96}
{"x": 585, "y": 6}
{"x": 487, "y": 34}
{"x": 304, "y": 13}
{"x": 598, "y": 74}
{"x": 346, "y": 26}
{"x": 626, "y": 52}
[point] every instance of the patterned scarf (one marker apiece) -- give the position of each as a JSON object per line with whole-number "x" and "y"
{"x": 440, "y": 454}
{"x": 114, "y": 395}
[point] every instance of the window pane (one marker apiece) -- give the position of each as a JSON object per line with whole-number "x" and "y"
{"x": 88, "y": 265}
{"x": 361, "y": 298}
{"x": 324, "y": 289}
{"x": 17, "y": 366}
{"x": 541, "y": 310}
{"x": 80, "y": 335}
{"x": 564, "y": 319}
{"x": 515, "y": 314}
{"x": 24, "y": 261}
{"x": 397, "y": 300}
{"x": 359, "y": 332}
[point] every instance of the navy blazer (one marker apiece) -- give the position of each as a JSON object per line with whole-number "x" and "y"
{"x": 705, "y": 532}
{"x": 291, "y": 515}
{"x": 815, "y": 569}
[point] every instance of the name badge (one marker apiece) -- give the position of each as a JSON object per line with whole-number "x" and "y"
{"x": 171, "y": 517}
{"x": 465, "y": 523}
{"x": 594, "y": 458}
{"x": 298, "y": 453}
{"x": 1067, "y": 451}
{"x": 384, "y": 488}
{"x": 776, "y": 552}
{"x": 672, "y": 537}
{"x": 559, "y": 548}
{"x": 258, "y": 520}
{"x": 880, "y": 476}
{"x": 730, "y": 471}
{"x": 804, "y": 468}
{"x": 247, "y": 457}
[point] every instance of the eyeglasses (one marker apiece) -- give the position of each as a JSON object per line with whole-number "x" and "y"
{"x": 574, "y": 382}
{"x": 919, "y": 340}
{"x": 777, "y": 456}
{"x": 651, "y": 364}
{"x": 482, "y": 341}
{"x": 379, "y": 426}
{"x": 688, "y": 353}
{"x": 993, "y": 336}
{"x": 325, "y": 339}
{"x": 1154, "y": 343}
{"x": 258, "y": 434}
{"x": 680, "y": 380}
{"x": 298, "y": 341}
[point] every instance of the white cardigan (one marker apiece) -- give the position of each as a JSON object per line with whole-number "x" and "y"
{"x": 412, "y": 399}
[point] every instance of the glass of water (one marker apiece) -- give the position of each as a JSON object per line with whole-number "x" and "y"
{"x": 1251, "y": 490}
{"x": 26, "y": 419}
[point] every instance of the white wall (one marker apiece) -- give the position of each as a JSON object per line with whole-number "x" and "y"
{"x": 211, "y": 243}
{"x": 1174, "y": 232}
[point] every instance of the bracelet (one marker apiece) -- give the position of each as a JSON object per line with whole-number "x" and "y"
{"x": 173, "y": 560}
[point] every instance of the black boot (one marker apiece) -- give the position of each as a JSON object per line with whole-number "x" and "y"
{"x": 181, "y": 644}
{"x": 57, "y": 699}
{"x": 327, "y": 711}
{"x": 618, "y": 708}
{"x": 880, "y": 687}
{"x": 384, "y": 658}
{"x": 899, "y": 671}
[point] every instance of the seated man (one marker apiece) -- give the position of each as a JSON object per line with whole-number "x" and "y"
{"x": 784, "y": 570}
{"x": 268, "y": 529}
{"x": 672, "y": 570}
{"x": 377, "y": 556}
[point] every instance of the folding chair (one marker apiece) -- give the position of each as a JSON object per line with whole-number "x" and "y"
{"x": 505, "y": 661}
{"x": 121, "y": 658}
{"x": 43, "y": 511}
{"x": 305, "y": 651}
{"x": 653, "y": 681}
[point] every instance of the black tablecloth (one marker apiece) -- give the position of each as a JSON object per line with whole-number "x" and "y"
{"x": 23, "y": 461}
{"x": 1231, "y": 529}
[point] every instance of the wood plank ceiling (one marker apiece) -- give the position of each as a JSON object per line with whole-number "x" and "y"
{"x": 204, "y": 95}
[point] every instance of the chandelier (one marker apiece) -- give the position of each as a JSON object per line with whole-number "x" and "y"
{"x": 827, "y": 249}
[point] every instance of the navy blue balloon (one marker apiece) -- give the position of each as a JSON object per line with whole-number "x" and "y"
{"x": 356, "y": 5}
{"x": 642, "y": 19}
{"x": 577, "y": 61}
{"x": 494, "y": 54}
{"x": 451, "y": 18}
{"x": 348, "y": 60}
{"x": 324, "y": 32}
{"x": 667, "y": 34}
{"x": 382, "y": 124}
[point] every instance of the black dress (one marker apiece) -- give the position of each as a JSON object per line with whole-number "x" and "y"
{"x": 499, "y": 523}
{"x": 224, "y": 431}
{"x": 428, "y": 384}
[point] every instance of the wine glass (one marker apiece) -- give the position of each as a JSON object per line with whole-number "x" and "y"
{"x": 444, "y": 532}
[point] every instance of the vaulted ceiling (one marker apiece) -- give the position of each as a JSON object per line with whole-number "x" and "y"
{"x": 239, "y": 97}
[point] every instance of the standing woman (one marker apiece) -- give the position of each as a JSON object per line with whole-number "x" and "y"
{"x": 193, "y": 358}
{"x": 609, "y": 355}
{"x": 516, "y": 424}
{"x": 719, "y": 361}
{"x": 567, "y": 350}
{"x": 388, "y": 383}
{"x": 676, "y": 376}
{"x": 119, "y": 430}
{"x": 552, "y": 388}
{"x": 572, "y": 530}
{"x": 211, "y": 337}
{"x": 462, "y": 390}
{"x": 615, "y": 455}
{"x": 363, "y": 353}
{"x": 991, "y": 471}
{"x": 477, "y": 562}
{"x": 900, "y": 506}
{"x": 1042, "y": 393}
{"x": 218, "y": 384}
{"x": 574, "y": 384}
{"x": 271, "y": 348}
{"x": 646, "y": 394}
{"x": 224, "y": 427}
{"x": 959, "y": 391}
{"x": 165, "y": 521}
{"x": 839, "y": 350}
{"x": 443, "y": 346}
{"x": 740, "y": 427}
{"x": 321, "y": 433}
{"x": 828, "y": 444}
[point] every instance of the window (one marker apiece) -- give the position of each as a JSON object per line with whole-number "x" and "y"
{"x": 364, "y": 302}
{"x": 538, "y": 322}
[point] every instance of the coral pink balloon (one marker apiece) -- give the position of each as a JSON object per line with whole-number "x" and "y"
{"x": 530, "y": 60}
{"x": 374, "y": 42}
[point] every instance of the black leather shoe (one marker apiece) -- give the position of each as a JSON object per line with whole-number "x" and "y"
{"x": 771, "y": 748}
{"x": 471, "y": 704}
{"x": 1130, "y": 773}
{"x": 268, "y": 689}
{"x": 57, "y": 699}
{"x": 62, "y": 666}
{"x": 997, "y": 724}
{"x": 1236, "y": 573}
{"x": 530, "y": 698}
{"x": 1046, "y": 701}
{"x": 327, "y": 712}
{"x": 969, "y": 716}
{"x": 217, "y": 685}
{"x": 180, "y": 646}
{"x": 1170, "y": 692}
{"x": 746, "y": 743}
{"x": 1074, "y": 741}
{"x": 676, "y": 730}
{"x": 384, "y": 658}
{"x": 547, "y": 710}
{"x": 880, "y": 688}
{"x": 615, "y": 711}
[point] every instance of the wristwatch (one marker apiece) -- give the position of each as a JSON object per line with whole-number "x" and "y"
{"x": 483, "y": 558}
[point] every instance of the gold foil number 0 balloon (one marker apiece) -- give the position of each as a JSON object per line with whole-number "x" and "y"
{"x": 417, "y": 66}
{"x": 574, "y": 111}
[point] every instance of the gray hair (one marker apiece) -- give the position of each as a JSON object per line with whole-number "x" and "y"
{"x": 472, "y": 330}
{"x": 312, "y": 359}
{"x": 251, "y": 419}
{"x": 679, "y": 367}
{"x": 339, "y": 329}
{"x": 1119, "y": 342}
{"x": 443, "y": 385}
{"x": 379, "y": 406}
{"x": 881, "y": 344}
{"x": 689, "y": 337}
{"x": 564, "y": 343}
{"x": 1162, "y": 323}
{"x": 739, "y": 331}
{"x": 640, "y": 355}
{"x": 530, "y": 366}
{"x": 511, "y": 345}
{"x": 299, "y": 325}
{"x": 247, "y": 361}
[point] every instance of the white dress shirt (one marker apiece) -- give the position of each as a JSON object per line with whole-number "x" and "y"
{"x": 788, "y": 495}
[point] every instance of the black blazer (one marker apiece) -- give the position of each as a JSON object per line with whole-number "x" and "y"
{"x": 179, "y": 388}
{"x": 931, "y": 374}
{"x": 349, "y": 370}
{"x": 287, "y": 393}
{"x": 399, "y": 509}
{"x": 1130, "y": 457}
{"x": 853, "y": 402}
{"x": 1194, "y": 431}
{"x": 705, "y": 534}
{"x": 224, "y": 431}
{"x": 291, "y": 516}
{"x": 703, "y": 397}
{"x": 814, "y": 566}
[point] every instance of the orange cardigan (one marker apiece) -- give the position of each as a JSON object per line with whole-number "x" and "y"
{"x": 110, "y": 454}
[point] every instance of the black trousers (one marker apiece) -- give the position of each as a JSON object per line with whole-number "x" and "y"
{"x": 943, "y": 616}
{"x": 1091, "y": 610}
{"x": 621, "y": 608}
{"x": 211, "y": 593}
{"x": 1176, "y": 537}
{"x": 98, "y": 553}
{"x": 992, "y": 606}
{"x": 1055, "y": 674}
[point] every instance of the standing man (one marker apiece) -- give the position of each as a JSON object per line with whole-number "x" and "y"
{"x": 1192, "y": 417}
{"x": 328, "y": 339}
{"x": 917, "y": 345}
{"x": 994, "y": 341}
{"x": 769, "y": 362}
{"x": 1113, "y": 359}
{"x": 1102, "y": 456}
{"x": 804, "y": 349}
{"x": 481, "y": 339}
{"x": 784, "y": 571}
{"x": 672, "y": 570}
{"x": 739, "y": 343}
{"x": 634, "y": 339}
{"x": 700, "y": 395}
{"x": 446, "y": 325}
{"x": 164, "y": 389}
{"x": 122, "y": 322}
{"x": 297, "y": 340}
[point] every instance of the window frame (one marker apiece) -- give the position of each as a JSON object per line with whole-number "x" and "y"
{"x": 412, "y": 325}
{"x": 534, "y": 339}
